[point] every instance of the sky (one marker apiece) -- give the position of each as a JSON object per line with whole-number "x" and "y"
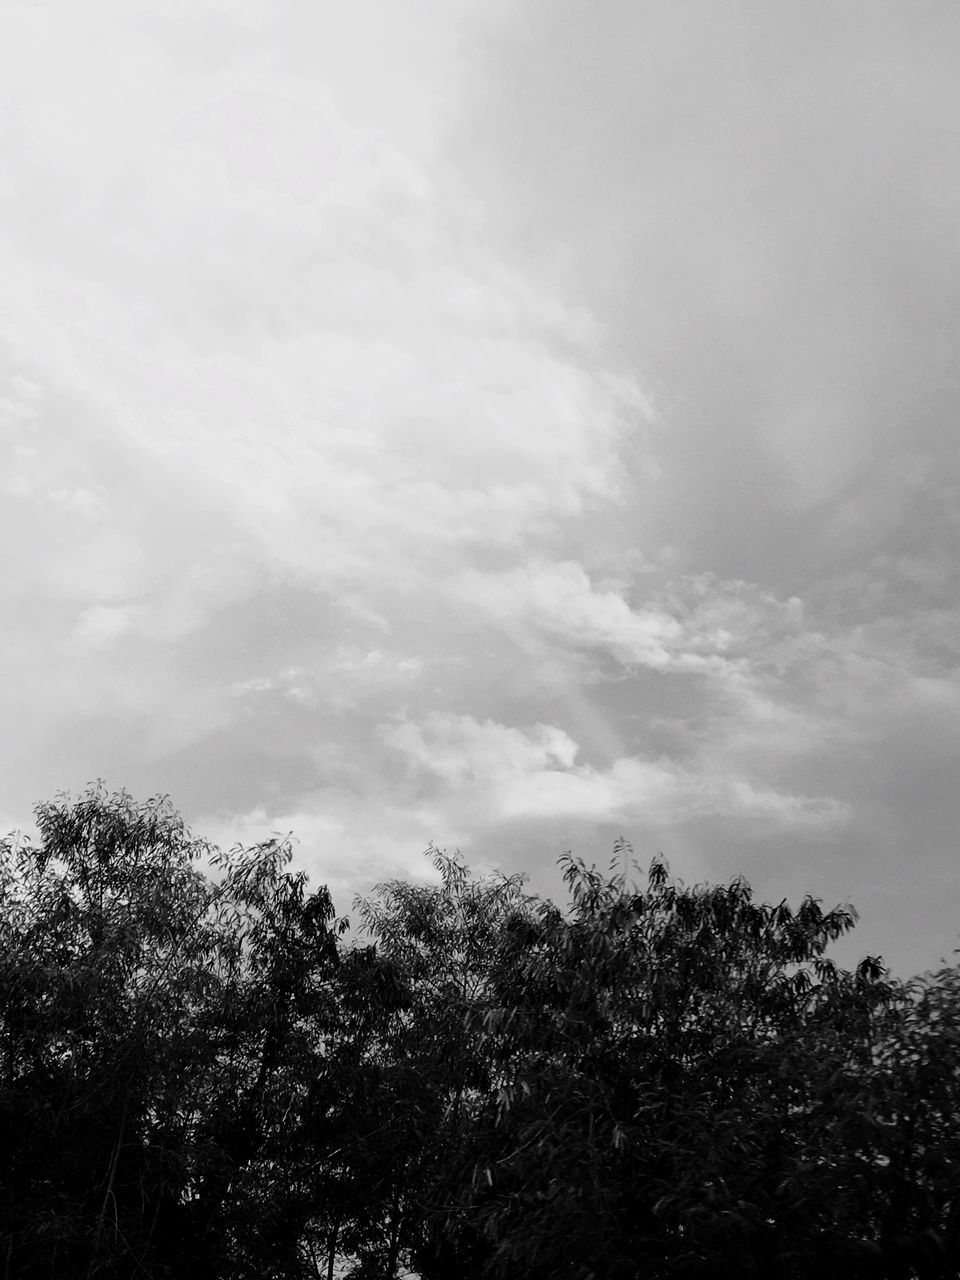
{"x": 503, "y": 425}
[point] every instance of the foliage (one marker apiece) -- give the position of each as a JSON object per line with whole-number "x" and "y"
{"x": 668, "y": 1057}
{"x": 199, "y": 1075}
{"x": 159, "y": 1034}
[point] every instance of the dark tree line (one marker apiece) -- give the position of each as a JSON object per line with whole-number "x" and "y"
{"x": 201, "y": 1076}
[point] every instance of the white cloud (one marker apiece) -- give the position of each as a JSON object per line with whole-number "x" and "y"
{"x": 294, "y": 683}
{"x": 346, "y": 367}
{"x": 505, "y": 773}
{"x": 258, "y": 343}
{"x": 344, "y": 680}
{"x": 462, "y": 750}
{"x": 102, "y": 623}
{"x": 326, "y": 500}
{"x": 660, "y": 793}
{"x": 559, "y": 599}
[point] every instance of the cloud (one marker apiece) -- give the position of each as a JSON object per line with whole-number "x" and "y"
{"x": 102, "y": 623}
{"x": 758, "y": 210}
{"x": 660, "y": 793}
{"x": 345, "y": 680}
{"x": 504, "y": 773}
{"x": 687, "y": 623}
{"x": 253, "y": 345}
{"x": 348, "y": 373}
{"x": 559, "y": 599}
{"x": 460, "y": 749}
{"x": 528, "y": 420}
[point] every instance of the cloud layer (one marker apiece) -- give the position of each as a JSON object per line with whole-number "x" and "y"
{"x": 504, "y": 426}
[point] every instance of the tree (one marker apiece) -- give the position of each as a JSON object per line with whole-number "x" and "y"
{"x": 160, "y": 1033}
{"x": 668, "y": 1081}
{"x": 915, "y": 1126}
{"x": 435, "y": 1082}
{"x": 672, "y": 1079}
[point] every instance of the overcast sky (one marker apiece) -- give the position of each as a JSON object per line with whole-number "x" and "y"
{"x": 504, "y": 423}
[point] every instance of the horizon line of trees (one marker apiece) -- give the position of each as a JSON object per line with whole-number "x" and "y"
{"x": 201, "y": 1075}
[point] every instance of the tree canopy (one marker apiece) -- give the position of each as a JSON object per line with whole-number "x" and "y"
{"x": 202, "y": 1074}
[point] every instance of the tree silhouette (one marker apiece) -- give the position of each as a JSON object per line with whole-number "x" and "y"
{"x": 199, "y": 1075}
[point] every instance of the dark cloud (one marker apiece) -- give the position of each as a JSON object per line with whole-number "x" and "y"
{"x": 759, "y": 204}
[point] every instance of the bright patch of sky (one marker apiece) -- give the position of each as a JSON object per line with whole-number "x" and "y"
{"x": 504, "y": 425}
